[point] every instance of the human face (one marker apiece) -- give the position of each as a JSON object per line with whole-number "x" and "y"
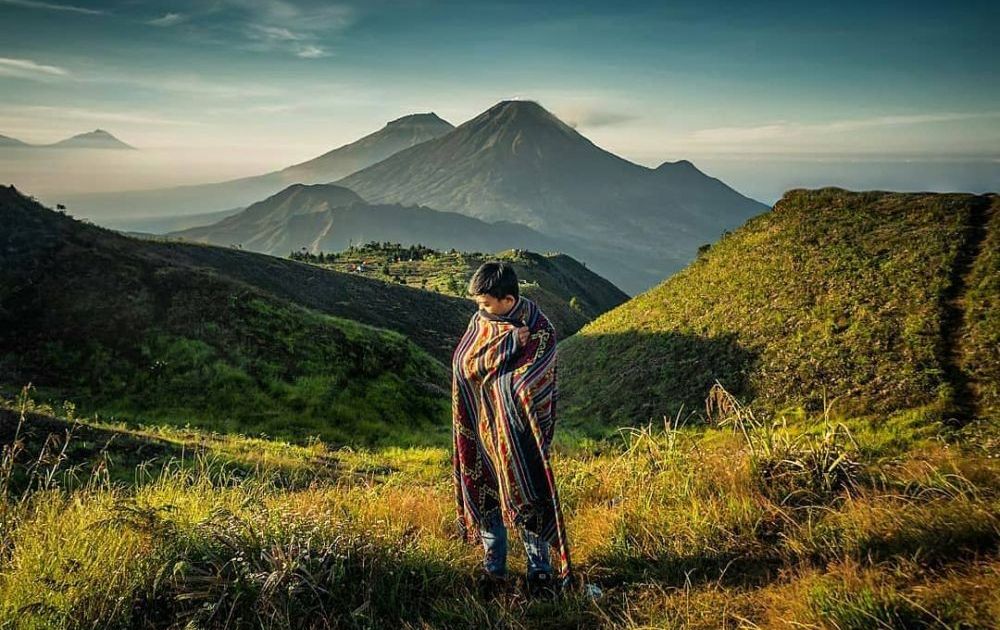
{"x": 495, "y": 306}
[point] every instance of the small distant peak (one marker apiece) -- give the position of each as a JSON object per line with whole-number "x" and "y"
{"x": 520, "y": 112}
{"x": 520, "y": 103}
{"x": 677, "y": 164}
{"x": 98, "y": 138}
{"x": 517, "y": 106}
{"x": 428, "y": 118}
{"x": 680, "y": 166}
{"x": 328, "y": 190}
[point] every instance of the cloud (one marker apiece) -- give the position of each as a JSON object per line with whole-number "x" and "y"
{"x": 312, "y": 52}
{"x": 49, "y": 6}
{"x": 80, "y": 113}
{"x": 781, "y": 130}
{"x": 320, "y": 17}
{"x": 167, "y": 19}
{"x": 594, "y": 117}
{"x": 277, "y": 25}
{"x": 272, "y": 33}
{"x": 27, "y": 69}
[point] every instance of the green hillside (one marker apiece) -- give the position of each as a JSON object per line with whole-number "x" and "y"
{"x": 885, "y": 301}
{"x": 143, "y": 331}
{"x": 980, "y": 340}
{"x": 567, "y": 291}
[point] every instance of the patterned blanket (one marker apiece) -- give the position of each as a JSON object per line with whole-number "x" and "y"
{"x": 503, "y": 415}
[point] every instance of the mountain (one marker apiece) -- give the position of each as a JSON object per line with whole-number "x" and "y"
{"x": 227, "y": 340}
{"x": 96, "y": 139}
{"x": 327, "y": 217}
{"x": 518, "y": 162}
{"x": 131, "y": 209}
{"x": 886, "y": 302}
{"x": 6, "y": 141}
{"x": 570, "y": 294}
{"x": 397, "y": 135}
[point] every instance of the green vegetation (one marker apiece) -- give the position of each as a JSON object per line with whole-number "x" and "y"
{"x": 827, "y": 493}
{"x": 980, "y": 337}
{"x": 569, "y": 293}
{"x": 851, "y": 296}
{"x": 252, "y": 365}
{"x": 130, "y": 334}
{"x": 753, "y": 521}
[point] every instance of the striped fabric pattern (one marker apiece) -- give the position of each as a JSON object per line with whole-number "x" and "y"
{"x": 503, "y": 419}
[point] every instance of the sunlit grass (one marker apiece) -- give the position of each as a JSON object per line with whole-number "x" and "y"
{"x": 747, "y": 522}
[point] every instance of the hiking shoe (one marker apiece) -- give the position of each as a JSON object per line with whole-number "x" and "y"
{"x": 542, "y": 585}
{"x": 491, "y": 584}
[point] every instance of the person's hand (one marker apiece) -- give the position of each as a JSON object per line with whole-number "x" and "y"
{"x": 522, "y": 335}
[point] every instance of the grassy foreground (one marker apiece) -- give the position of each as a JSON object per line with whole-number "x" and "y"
{"x": 741, "y": 522}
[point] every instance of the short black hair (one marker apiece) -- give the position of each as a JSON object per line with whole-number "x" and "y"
{"x": 494, "y": 278}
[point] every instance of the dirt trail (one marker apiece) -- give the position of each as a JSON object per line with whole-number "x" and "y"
{"x": 953, "y": 322}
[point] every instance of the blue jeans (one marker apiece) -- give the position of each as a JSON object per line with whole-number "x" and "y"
{"x": 495, "y": 543}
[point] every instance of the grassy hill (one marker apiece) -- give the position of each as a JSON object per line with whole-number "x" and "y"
{"x": 567, "y": 291}
{"x": 228, "y": 340}
{"x": 886, "y": 301}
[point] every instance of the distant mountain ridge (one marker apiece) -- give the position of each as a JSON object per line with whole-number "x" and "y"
{"x": 96, "y": 139}
{"x": 328, "y": 217}
{"x": 515, "y": 163}
{"x": 7, "y": 141}
{"x": 129, "y": 206}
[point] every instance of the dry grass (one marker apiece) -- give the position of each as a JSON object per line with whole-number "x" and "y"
{"x": 750, "y": 523}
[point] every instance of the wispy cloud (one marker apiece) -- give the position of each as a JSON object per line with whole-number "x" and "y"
{"x": 167, "y": 19}
{"x": 277, "y": 25}
{"x": 80, "y": 113}
{"x": 781, "y": 130}
{"x": 51, "y": 6}
{"x": 184, "y": 84}
{"x": 267, "y": 33}
{"x": 594, "y": 117}
{"x": 28, "y": 69}
{"x": 311, "y": 51}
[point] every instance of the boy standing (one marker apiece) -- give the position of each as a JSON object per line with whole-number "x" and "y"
{"x": 503, "y": 418}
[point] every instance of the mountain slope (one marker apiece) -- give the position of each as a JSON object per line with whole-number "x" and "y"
{"x": 7, "y": 141}
{"x": 126, "y": 209}
{"x": 845, "y": 292}
{"x": 224, "y": 339}
{"x": 518, "y": 162}
{"x": 326, "y": 217}
{"x": 96, "y": 139}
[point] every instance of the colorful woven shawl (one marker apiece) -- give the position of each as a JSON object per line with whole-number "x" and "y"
{"x": 503, "y": 418}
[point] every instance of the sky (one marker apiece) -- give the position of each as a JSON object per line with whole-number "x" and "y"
{"x": 232, "y": 87}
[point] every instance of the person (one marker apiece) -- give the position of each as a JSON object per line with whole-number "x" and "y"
{"x": 504, "y": 394}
